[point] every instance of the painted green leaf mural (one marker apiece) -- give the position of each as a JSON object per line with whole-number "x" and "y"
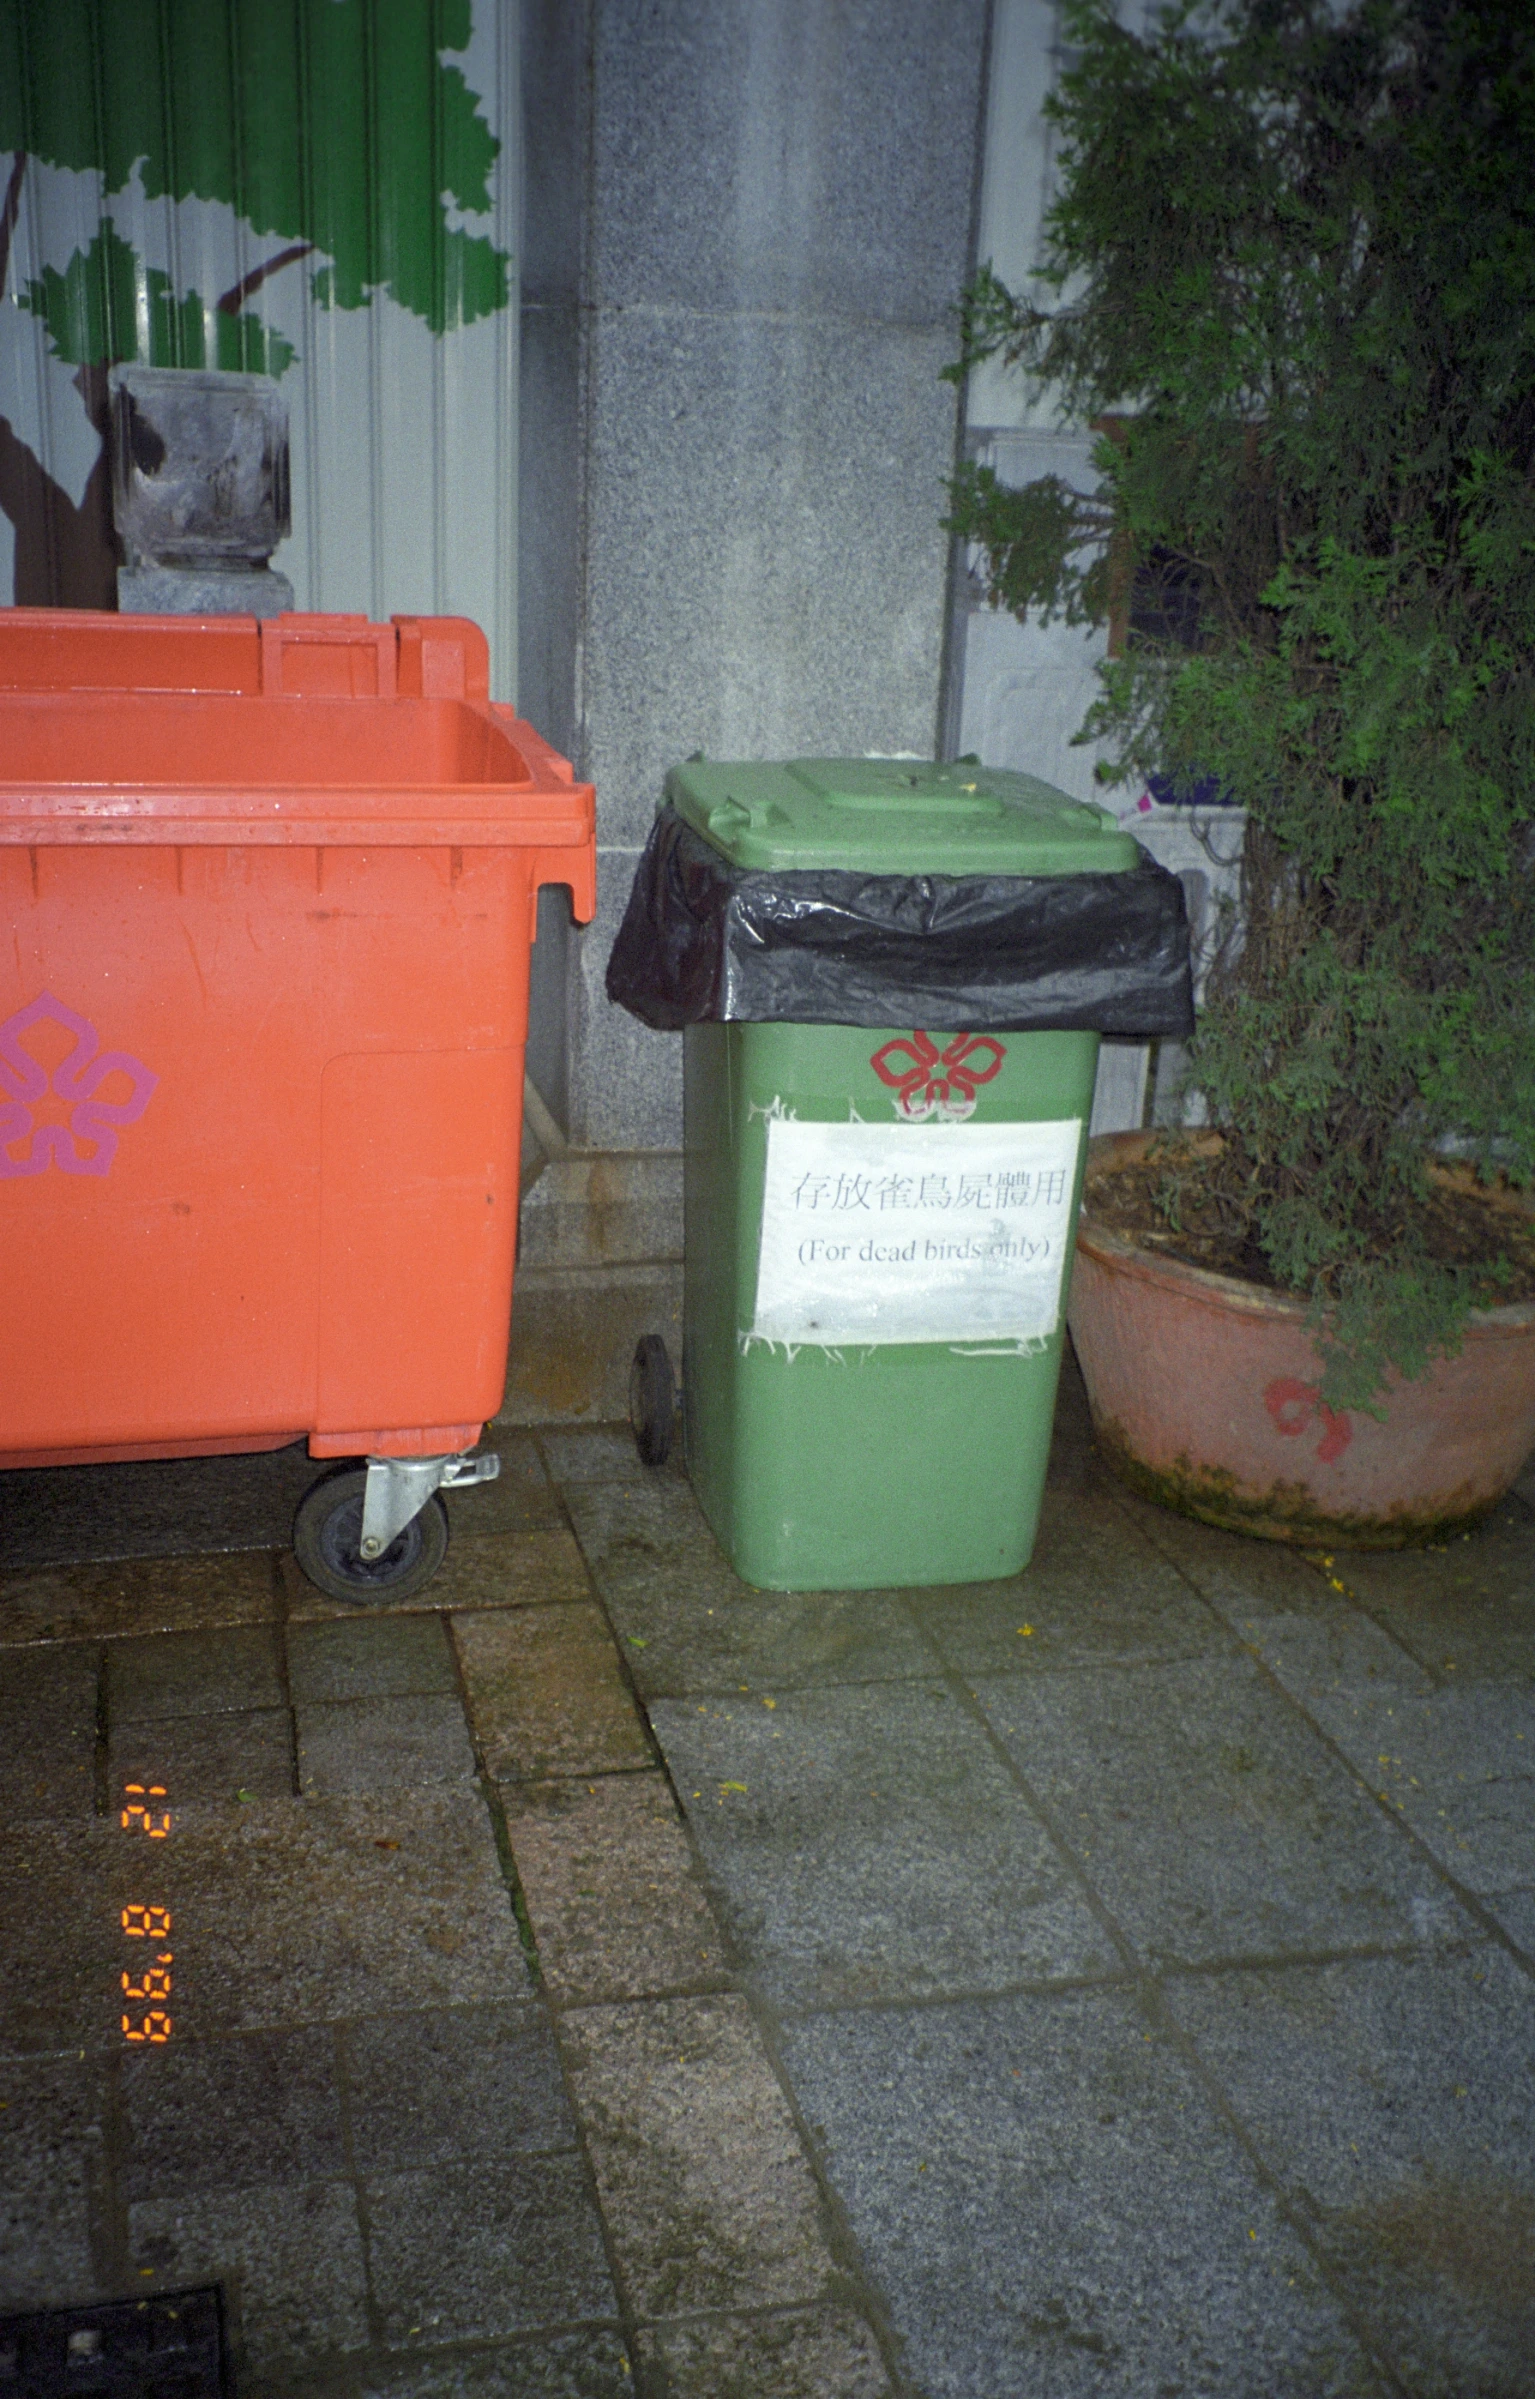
{"x": 307, "y": 120}
{"x": 91, "y": 312}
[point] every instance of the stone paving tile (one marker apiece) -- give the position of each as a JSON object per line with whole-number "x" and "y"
{"x": 205, "y": 1761}
{"x": 1456, "y": 1760}
{"x": 1396, "y": 2102}
{"x": 78, "y": 1603}
{"x": 192, "y": 1674}
{"x": 607, "y": 1875}
{"x": 60, "y": 1938}
{"x": 451, "y": 2084}
{"x": 393, "y": 1744}
{"x": 1074, "y": 1456}
{"x": 636, "y": 1534}
{"x": 707, "y": 2196}
{"x": 335, "y": 2379}
{"x": 1210, "y": 1818}
{"x": 153, "y": 1509}
{"x": 514, "y": 1569}
{"x": 569, "y": 2365}
{"x": 1468, "y": 1608}
{"x": 48, "y": 1699}
{"x": 828, "y": 2354}
{"x": 521, "y": 1499}
{"x": 1244, "y": 1579}
{"x": 687, "y": 1623}
{"x": 477, "y": 2251}
{"x": 1095, "y": 1589}
{"x": 51, "y": 2173}
{"x": 546, "y": 1695}
{"x": 1515, "y": 1912}
{"x": 226, "y": 2115}
{"x": 369, "y": 1657}
{"x": 778, "y": 1640}
{"x": 282, "y": 1912}
{"x": 1050, "y": 2206}
{"x": 314, "y": 1909}
{"x": 1316, "y": 1653}
{"x": 604, "y": 1453}
{"x": 290, "y": 2256}
{"x": 869, "y": 1844}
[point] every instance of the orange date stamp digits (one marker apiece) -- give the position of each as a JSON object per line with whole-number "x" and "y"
{"x": 154, "y": 1982}
{"x": 156, "y": 2027}
{"x": 148, "y": 1979}
{"x": 144, "y": 1811}
{"x": 146, "y": 1984}
{"x": 147, "y": 1924}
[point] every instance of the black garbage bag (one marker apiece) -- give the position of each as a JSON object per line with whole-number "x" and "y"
{"x": 704, "y": 942}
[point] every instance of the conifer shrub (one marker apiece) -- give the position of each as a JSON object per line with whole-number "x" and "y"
{"x": 1290, "y": 276}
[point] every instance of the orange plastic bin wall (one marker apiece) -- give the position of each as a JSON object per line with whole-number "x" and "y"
{"x": 269, "y": 892}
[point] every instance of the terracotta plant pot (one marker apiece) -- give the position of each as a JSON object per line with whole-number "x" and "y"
{"x": 1204, "y": 1395}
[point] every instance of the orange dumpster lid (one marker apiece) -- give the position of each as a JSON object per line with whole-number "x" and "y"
{"x": 298, "y": 729}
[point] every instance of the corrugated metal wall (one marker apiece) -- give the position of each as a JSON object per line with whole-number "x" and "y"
{"x": 325, "y": 190}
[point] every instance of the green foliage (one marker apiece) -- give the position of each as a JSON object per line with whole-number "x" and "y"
{"x": 106, "y": 301}
{"x": 332, "y": 122}
{"x": 1291, "y": 275}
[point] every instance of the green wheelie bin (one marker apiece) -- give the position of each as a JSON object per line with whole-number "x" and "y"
{"x": 879, "y": 1217}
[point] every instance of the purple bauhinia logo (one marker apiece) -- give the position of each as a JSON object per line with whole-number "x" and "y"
{"x": 76, "y": 1079}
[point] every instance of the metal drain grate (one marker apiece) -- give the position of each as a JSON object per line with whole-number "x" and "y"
{"x": 168, "y": 2347}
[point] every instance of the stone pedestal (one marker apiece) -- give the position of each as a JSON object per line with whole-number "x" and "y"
{"x": 747, "y": 228}
{"x": 202, "y": 591}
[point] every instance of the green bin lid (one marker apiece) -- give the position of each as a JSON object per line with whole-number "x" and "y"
{"x": 896, "y": 816}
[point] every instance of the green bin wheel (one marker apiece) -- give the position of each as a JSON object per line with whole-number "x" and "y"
{"x": 327, "y": 1542}
{"x": 652, "y": 1400}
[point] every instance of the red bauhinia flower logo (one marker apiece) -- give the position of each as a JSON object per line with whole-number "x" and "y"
{"x": 1294, "y": 1406}
{"x": 76, "y": 1079}
{"x": 936, "y": 1082}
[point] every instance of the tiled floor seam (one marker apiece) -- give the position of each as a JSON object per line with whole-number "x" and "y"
{"x": 341, "y": 2052}
{"x": 850, "y": 2291}
{"x": 1312, "y": 1559}
{"x": 109, "y": 2226}
{"x": 864, "y": 2295}
{"x": 101, "y": 1766}
{"x": 1470, "y": 1900}
{"x": 285, "y": 1679}
{"x": 1153, "y": 2001}
{"x": 1289, "y": 2207}
{"x": 630, "y": 2321}
{"x": 719, "y": 1987}
{"x": 1108, "y": 1979}
{"x": 585, "y": 1774}
{"x": 497, "y": 1814}
{"x": 526, "y": 1936}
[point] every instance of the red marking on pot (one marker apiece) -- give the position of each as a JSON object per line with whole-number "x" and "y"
{"x": 1294, "y": 1405}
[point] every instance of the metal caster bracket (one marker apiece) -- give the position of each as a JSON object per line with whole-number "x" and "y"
{"x": 398, "y": 1489}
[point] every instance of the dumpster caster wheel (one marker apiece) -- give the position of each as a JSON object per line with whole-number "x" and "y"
{"x": 327, "y": 1542}
{"x": 652, "y": 1400}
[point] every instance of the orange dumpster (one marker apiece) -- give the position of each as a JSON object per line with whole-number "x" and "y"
{"x": 269, "y": 891}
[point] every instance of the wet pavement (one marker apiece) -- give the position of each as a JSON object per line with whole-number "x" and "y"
{"x": 596, "y": 1976}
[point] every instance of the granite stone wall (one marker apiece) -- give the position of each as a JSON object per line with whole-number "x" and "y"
{"x": 746, "y": 222}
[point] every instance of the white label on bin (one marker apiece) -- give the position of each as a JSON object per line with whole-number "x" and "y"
{"x": 873, "y": 1234}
